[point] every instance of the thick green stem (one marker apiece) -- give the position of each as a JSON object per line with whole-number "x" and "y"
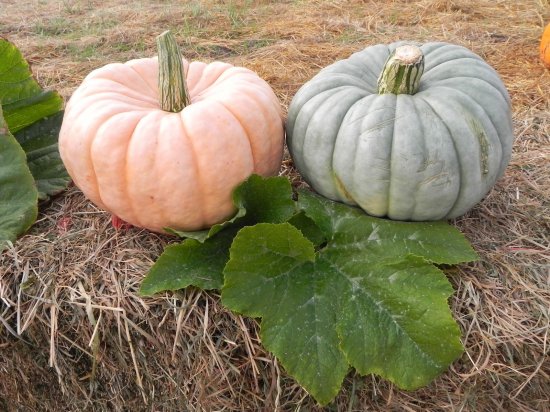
{"x": 173, "y": 93}
{"x": 402, "y": 71}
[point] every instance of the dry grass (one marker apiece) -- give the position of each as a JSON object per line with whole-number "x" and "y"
{"x": 74, "y": 335}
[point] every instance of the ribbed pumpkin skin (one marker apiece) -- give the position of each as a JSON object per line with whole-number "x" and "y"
{"x": 428, "y": 156}
{"x": 545, "y": 46}
{"x": 156, "y": 169}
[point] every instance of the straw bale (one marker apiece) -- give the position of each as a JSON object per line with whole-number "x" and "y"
{"x": 75, "y": 335}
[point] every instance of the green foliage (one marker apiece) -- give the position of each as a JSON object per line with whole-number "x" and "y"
{"x": 18, "y": 194}
{"x": 29, "y": 157}
{"x": 334, "y": 288}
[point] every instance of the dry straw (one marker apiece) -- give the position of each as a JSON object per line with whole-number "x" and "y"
{"x": 74, "y": 334}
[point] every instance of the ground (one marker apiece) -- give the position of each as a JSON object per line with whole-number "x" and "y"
{"x": 75, "y": 334}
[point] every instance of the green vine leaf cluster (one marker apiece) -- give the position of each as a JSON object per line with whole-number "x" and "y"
{"x": 335, "y": 288}
{"x": 30, "y": 165}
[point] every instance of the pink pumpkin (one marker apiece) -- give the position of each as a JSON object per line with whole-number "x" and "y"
{"x": 155, "y": 168}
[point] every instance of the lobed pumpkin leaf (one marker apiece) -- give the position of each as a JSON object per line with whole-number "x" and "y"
{"x": 18, "y": 194}
{"x": 39, "y": 141}
{"x": 200, "y": 259}
{"x": 23, "y": 100}
{"x": 334, "y": 288}
{"x": 371, "y": 298}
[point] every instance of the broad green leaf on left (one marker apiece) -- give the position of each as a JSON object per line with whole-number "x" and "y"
{"x": 18, "y": 194}
{"x": 371, "y": 298}
{"x": 39, "y": 141}
{"x": 200, "y": 259}
{"x": 30, "y": 165}
{"x": 22, "y": 99}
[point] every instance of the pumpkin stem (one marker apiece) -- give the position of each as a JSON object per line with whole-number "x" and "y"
{"x": 402, "y": 71}
{"x": 173, "y": 92}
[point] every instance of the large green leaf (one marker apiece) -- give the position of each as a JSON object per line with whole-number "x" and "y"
{"x": 199, "y": 260}
{"x": 18, "y": 194}
{"x": 371, "y": 298}
{"x": 22, "y": 99}
{"x": 39, "y": 141}
{"x": 334, "y": 287}
{"x": 30, "y": 165}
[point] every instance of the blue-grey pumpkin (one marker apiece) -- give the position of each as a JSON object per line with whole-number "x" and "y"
{"x": 418, "y": 139}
